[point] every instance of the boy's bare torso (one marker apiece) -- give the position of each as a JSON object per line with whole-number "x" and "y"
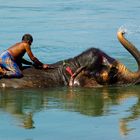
{"x": 18, "y": 50}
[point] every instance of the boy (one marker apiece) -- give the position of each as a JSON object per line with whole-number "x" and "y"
{"x": 11, "y": 60}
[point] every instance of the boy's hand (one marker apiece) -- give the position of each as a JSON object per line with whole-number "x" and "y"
{"x": 45, "y": 66}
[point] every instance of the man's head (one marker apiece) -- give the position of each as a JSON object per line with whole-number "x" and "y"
{"x": 27, "y": 38}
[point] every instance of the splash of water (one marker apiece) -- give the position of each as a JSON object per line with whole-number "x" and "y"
{"x": 123, "y": 29}
{"x": 130, "y": 29}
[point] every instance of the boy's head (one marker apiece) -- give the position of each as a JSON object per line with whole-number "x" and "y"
{"x": 27, "y": 38}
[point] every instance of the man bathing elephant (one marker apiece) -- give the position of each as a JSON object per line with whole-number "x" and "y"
{"x": 92, "y": 68}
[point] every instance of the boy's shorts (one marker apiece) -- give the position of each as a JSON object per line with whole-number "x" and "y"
{"x": 9, "y": 65}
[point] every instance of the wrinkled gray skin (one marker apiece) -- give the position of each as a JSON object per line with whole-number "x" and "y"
{"x": 93, "y": 68}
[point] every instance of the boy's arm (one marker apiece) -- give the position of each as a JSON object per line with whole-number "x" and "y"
{"x": 24, "y": 61}
{"x": 32, "y": 57}
{"x": 37, "y": 62}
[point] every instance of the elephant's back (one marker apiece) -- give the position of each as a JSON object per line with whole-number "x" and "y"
{"x": 33, "y": 78}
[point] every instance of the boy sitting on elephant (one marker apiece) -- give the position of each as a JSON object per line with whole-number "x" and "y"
{"x": 11, "y": 60}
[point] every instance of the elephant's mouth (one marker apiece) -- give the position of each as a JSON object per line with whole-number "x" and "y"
{"x": 83, "y": 78}
{"x": 74, "y": 80}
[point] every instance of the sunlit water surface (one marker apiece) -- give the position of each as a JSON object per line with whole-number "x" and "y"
{"x": 63, "y": 29}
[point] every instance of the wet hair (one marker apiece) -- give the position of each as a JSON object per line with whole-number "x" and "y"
{"x": 28, "y": 38}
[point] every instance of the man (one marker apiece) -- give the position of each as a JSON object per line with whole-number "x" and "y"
{"x": 11, "y": 60}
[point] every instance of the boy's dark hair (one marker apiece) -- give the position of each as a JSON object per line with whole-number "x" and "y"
{"x": 27, "y": 37}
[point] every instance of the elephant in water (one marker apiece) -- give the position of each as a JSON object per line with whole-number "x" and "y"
{"x": 92, "y": 68}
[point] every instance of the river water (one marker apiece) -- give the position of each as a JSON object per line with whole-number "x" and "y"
{"x": 62, "y": 29}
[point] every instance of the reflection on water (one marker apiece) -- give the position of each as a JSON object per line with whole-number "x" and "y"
{"x": 24, "y": 104}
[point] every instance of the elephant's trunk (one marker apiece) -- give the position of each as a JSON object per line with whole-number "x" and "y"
{"x": 129, "y": 46}
{"x": 124, "y": 72}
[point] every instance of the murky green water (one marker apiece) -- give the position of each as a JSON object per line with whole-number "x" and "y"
{"x": 63, "y": 29}
{"x": 70, "y": 113}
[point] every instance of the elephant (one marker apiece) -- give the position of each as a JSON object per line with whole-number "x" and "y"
{"x": 111, "y": 72}
{"x": 91, "y": 68}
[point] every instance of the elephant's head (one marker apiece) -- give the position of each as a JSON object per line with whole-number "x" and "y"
{"x": 110, "y": 71}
